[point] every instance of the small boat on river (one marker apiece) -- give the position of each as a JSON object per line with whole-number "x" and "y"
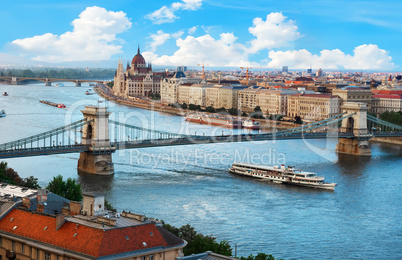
{"x": 58, "y": 105}
{"x": 250, "y": 124}
{"x": 2, "y": 113}
{"x": 5, "y": 93}
{"x": 282, "y": 174}
{"x": 217, "y": 120}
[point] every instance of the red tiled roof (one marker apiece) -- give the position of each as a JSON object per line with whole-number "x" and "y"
{"x": 317, "y": 95}
{"x": 387, "y": 92}
{"x": 395, "y": 96}
{"x": 90, "y": 241}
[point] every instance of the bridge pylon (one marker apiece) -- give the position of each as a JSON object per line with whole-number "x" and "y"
{"x": 98, "y": 160}
{"x": 14, "y": 81}
{"x": 48, "y": 83}
{"x": 357, "y": 125}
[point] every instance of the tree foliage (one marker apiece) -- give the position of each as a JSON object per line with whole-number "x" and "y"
{"x": 298, "y": 120}
{"x": 392, "y": 117}
{"x": 9, "y": 175}
{"x": 233, "y": 111}
{"x": 68, "y": 189}
{"x": 194, "y": 107}
{"x": 110, "y": 84}
{"x": 63, "y": 73}
{"x": 199, "y": 243}
{"x": 210, "y": 109}
{"x": 260, "y": 256}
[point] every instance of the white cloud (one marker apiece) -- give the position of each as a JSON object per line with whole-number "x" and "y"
{"x": 159, "y": 38}
{"x": 194, "y": 50}
{"x": 177, "y": 34}
{"x": 167, "y": 14}
{"x": 192, "y": 30}
{"x": 275, "y": 32}
{"x": 92, "y": 38}
{"x": 366, "y": 56}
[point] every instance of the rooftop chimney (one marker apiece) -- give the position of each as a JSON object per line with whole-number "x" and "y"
{"x": 60, "y": 219}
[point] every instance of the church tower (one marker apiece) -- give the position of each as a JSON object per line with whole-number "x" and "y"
{"x": 119, "y": 86}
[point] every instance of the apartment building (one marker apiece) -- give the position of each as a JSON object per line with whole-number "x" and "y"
{"x": 313, "y": 107}
{"x": 198, "y": 94}
{"x": 248, "y": 99}
{"x": 354, "y": 94}
{"x": 275, "y": 102}
{"x": 213, "y": 96}
{"x": 386, "y": 102}
{"x": 45, "y": 226}
{"x": 170, "y": 87}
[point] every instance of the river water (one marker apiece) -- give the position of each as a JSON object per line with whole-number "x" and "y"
{"x": 190, "y": 184}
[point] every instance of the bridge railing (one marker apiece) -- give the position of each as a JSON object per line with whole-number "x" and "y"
{"x": 64, "y": 136}
{"x": 377, "y": 125}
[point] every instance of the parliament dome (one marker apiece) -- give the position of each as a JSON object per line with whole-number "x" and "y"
{"x": 138, "y": 59}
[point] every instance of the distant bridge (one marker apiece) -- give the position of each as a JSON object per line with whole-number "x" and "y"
{"x": 96, "y": 137}
{"x": 47, "y": 81}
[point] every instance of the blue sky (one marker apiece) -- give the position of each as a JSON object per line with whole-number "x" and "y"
{"x": 341, "y": 34}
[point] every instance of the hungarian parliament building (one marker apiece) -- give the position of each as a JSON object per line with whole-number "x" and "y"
{"x": 137, "y": 80}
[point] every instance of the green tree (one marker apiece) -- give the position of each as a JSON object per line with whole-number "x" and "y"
{"x": 210, "y": 109}
{"x": 110, "y": 84}
{"x": 109, "y": 206}
{"x": 198, "y": 243}
{"x": 298, "y": 120}
{"x": 68, "y": 189}
{"x": 30, "y": 182}
{"x": 184, "y": 106}
{"x": 9, "y": 175}
{"x": 233, "y": 111}
{"x": 257, "y": 109}
{"x": 260, "y": 256}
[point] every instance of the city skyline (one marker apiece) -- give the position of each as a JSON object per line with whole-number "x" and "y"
{"x": 341, "y": 35}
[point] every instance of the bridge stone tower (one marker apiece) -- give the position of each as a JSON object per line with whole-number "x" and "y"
{"x": 357, "y": 125}
{"x": 98, "y": 160}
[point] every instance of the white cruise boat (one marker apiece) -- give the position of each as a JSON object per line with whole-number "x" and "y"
{"x": 250, "y": 124}
{"x": 282, "y": 174}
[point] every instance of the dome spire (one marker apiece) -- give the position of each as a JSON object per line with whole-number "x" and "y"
{"x": 138, "y": 52}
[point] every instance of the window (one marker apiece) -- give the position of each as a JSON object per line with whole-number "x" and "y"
{"x": 12, "y": 246}
{"x": 37, "y": 253}
{"x": 151, "y": 257}
{"x": 1, "y": 241}
{"x": 22, "y": 249}
{"x": 143, "y": 257}
{"x": 47, "y": 256}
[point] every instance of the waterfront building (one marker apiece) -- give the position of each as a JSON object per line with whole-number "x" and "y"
{"x": 275, "y": 102}
{"x": 184, "y": 93}
{"x": 43, "y": 225}
{"x": 313, "y": 107}
{"x": 228, "y": 96}
{"x": 170, "y": 87}
{"x": 212, "y": 99}
{"x": 248, "y": 99}
{"x": 137, "y": 80}
{"x": 386, "y": 102}
{"x": 198, "y": 94}
{"x": 354, "y": 94}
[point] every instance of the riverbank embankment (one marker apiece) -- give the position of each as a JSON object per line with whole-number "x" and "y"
{"x": 159, "y": 106}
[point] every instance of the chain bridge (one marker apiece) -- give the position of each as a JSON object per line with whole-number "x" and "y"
{"x": 47, "y": 81}
{"x": 96, "y": 137}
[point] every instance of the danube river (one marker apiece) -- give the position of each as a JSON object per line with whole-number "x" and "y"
{"x": 190, "y": 184}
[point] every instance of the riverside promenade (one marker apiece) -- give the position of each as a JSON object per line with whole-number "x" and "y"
{"x": 106, "y": 93}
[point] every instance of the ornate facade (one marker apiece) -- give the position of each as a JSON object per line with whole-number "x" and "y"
{"x": 137, "y": 80}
